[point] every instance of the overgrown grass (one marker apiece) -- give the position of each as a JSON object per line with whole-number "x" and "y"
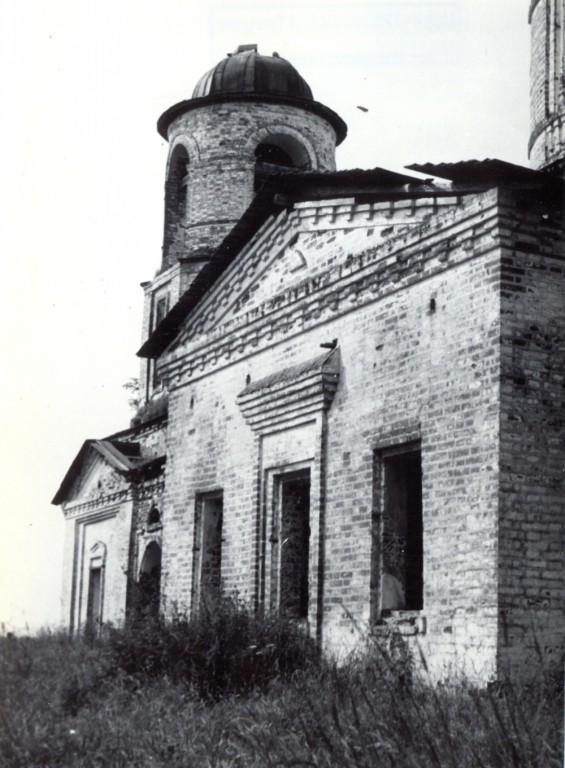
{"x": 234, "y": 690}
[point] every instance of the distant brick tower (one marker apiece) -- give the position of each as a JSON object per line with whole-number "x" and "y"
{"x": 248, "y": 116}
{"x": 547, "y": 85}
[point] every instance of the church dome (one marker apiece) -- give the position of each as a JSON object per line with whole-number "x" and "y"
{"x": 248, "y": 72}
{"x": 246, "y": 75}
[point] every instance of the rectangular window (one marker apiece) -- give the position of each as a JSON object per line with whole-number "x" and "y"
{"x": 291, "y": 543}
{"x": 160, "y": 310}
{"x": 207, "y": 571}
{"x": 398, "y": 529}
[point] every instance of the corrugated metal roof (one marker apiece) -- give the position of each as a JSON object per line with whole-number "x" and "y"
{"x": 479, "y": 172}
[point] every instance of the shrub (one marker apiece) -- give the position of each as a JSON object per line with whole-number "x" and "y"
{"x": 225, "y": 650}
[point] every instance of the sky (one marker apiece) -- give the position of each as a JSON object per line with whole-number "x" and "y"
{"x": 82, "y": 179}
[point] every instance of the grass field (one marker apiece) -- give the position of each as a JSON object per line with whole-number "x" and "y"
{"x": 234, "y": 690}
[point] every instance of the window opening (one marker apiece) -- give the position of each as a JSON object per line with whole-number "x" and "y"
{"x": 176, "y": 194}
{"x": 402, "y": 540}
{"x": 278, "y": 151}
{"x": 161, "y": 309}
{"x": 270, "y": 153}
{"x": 94, "y": 600}
{"x": 149, "y": 582}
{"x": 293, "y": 543}
{"x": 154, "y": 517}
{"x": 397, "y": 557}
{"x": 207, "y": 584}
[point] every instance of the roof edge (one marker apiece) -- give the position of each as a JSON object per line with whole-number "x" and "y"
{"x": 111, "y": 451}
{"x": 278, "y": 192}
{"x": 339, "y": 125}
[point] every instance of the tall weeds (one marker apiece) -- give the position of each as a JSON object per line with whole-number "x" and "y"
{"x": 231, "y": 689}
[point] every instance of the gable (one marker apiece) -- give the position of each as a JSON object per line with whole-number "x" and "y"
{"x": 99, "y": 468}
{"x": 294, "y": 248}
{"x": 95, "y": 479}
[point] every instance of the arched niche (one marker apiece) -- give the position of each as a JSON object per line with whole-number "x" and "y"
{"x": 151, "y": 561}
{"x": 149, "y": 580}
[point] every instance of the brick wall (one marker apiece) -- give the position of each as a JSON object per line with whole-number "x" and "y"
{"x": 547, "y": 84}
{"x": 220, "y": 140}
{"x": 412, "y": 374}
{"x": 169, "y": 285}
{"x": 532, "y": 490}
{"x": 102, "y": 507}
{"x": 411, "y": 368}
{"x": 110, "y": 525}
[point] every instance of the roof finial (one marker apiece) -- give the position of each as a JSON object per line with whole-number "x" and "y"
{"x": 243, "y": 48}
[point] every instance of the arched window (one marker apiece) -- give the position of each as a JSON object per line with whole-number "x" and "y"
{"x": 277, "y": 152}
{"x": 154, "y": 517}
{"x": 270, "y": 153}
{"x": 175, "y": 195}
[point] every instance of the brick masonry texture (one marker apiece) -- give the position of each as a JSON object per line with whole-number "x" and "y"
{"x": 406, "y": 372}
{"x": 421, "y": 320}
{"x": 103, "y": 508}
{"x": 220, "y": 141}
{"x": 532, "y": 452}
{"x": 547, "y": 83}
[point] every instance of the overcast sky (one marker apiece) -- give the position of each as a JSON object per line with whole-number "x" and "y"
{"x": 81, "y": 189}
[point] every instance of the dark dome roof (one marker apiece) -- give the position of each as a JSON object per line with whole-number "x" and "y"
{"x": 248, "y": 72}
{"x": 247, "y": 76}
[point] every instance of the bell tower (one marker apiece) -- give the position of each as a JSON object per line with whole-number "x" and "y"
{"x": 547, "y": 85}
{"x": 250, "y": 116}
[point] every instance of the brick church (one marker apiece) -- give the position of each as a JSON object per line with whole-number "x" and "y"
{"x": 352, "y": 400}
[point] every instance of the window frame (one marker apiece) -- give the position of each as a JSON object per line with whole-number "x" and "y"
{"x": 199, "y": 543}
{"x": 271, "y": 578}
{"x": 381, "y": 456}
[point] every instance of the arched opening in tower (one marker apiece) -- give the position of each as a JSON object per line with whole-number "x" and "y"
{"x": 175, "y": 202}
{"x": 278, "y": 152}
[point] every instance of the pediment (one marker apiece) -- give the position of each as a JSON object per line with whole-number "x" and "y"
{"x": 279, "y": 258}
{"x": 95, "y": 480}
{"x": 100, "y": 468}
{"x": 291, "y": 250}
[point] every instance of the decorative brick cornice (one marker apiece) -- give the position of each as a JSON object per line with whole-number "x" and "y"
{"x": 149, "y": 489}
{"x": 72, "y": 510}
{"x": 279, "y": 233}
{"x": 414, "y": 255}
{"x": 292, "y": 395}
